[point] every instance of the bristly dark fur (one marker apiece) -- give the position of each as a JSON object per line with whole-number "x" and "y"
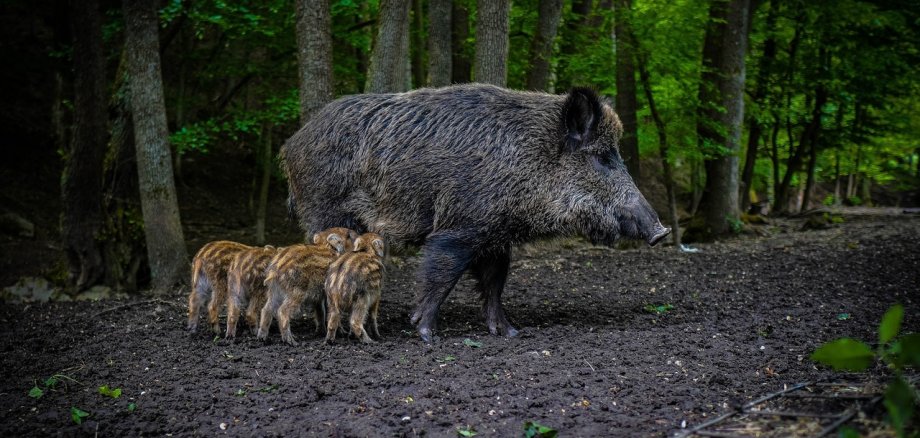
{"x": 467, "y": 171}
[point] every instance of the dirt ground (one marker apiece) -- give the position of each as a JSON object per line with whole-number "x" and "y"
{"x": 591, "y": 360}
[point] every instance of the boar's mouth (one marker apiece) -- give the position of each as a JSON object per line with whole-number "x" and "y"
{"x": 630, "y": 229}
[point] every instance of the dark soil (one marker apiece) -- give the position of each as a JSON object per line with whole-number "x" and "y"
{"x": 591, "y": 360}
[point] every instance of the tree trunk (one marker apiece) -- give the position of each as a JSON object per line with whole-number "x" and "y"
{"x": 262, "y": 207}
{"x": 626, "y": 104}
{"x": 166, "y": 250}
{"x": 810, "y": 180}
{"x": 314, "y": 55}
{"x": 439, "y": 49}
{"x": 492, "y": 24}
{"x": 721, "y": 111}
{"x": 755, "y": 130}
{"x": 387, "y": 71}
{"x": 774, "y": 157}
{"x": 461, "y": 66}
{"x": 418, "y": 44}
{"x": 541, "y": 47}
{"x": 81, "y": 183}
{"x": 670, "y": 186}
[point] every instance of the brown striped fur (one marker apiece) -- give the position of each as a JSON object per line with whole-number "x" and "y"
{"x": 354, "y": 282}
{"x": 295, "y": 276}
{"x": 209, "y": 280}
{"x": 246, "y": 282}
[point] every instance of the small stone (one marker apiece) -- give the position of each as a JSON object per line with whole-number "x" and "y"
{"x": 223, "y": 426}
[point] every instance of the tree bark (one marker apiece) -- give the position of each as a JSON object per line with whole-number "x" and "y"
{"x": 626, "y": 104}
{"x": 721, "y": 111}
{"x": 262, "y": 207}
{"x": 81, "y": 184}
{"x": 314, "y": 55}
{"x": 167, "y": 255}
{"x": 461, "y": 66}
{"x": 541, "y": 47}
{"x": 492, "y": 25}
{"x": 755, "y": 127}
{"x": 439, "y": 47}
{"x": 810, "y": 179}
{"x": 387, "y": 71}
{"x": 418, "y": 44}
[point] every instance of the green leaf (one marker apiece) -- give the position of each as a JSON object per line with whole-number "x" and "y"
{"x": 891, "y": 324}
{"x": 910, "y": 349}
{"x": 466, "y": 431}
{"x": 77, "y": 415}
{"x": 51, "y": 382}
{"x": 844, "y": 354}
{"x": 899, "y": 401}
{"x": 36, "y": 392}
{"x": 532, "y": 429}
{"x": 843, "y": 316}
{"x": 240, "y": 392}
{"x": 471, "y": 343}
{"x": 114, "y": 393}
{"x": 132, "y": 407}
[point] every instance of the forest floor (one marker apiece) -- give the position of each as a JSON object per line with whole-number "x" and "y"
{"x": 739, "y": 320}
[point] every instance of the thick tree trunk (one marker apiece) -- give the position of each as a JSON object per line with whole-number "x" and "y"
{"x": 262, "y": 207}
{"x": 774, "y": 156}
{"x": 755, "y": 130}
{"x": 439, "y": 49}
{"x": 626, "y": 104}
{"x": 721, "y": 111}
{"x": 387, "y": 71}
{"x": 166, "y": 250}
{"x": 669, "y": 184}
{"x": 492, "y": 24}
{"x": 461, "y": 66}
{"x": 541, "y": 47}
{"x": 314, "y": 55}
{"x": 810, "y": 180}
{"x": 81, "y": 184}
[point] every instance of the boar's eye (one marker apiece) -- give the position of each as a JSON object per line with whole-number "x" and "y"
{"x": 606, "y": 162}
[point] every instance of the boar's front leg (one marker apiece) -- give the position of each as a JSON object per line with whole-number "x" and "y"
{"x": 446, "y": 257}
{"x": 491, "y": 270}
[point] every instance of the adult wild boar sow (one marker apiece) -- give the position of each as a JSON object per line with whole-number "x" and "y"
{"x": 467, "y": 171}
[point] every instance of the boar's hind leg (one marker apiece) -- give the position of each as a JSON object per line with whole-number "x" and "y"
{"x": 491, "y": 271}
{"x": 446, "y": 257}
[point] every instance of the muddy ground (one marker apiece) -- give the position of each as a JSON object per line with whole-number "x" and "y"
{"x": 591, "y": 360}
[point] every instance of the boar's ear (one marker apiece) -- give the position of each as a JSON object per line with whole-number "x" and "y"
{"x": 337, "y": 242}
{"x": 581, "y": 114}
{"x": 379, "y": 247}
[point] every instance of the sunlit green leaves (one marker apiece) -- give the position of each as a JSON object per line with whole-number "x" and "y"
{"x": 891, "y": 324}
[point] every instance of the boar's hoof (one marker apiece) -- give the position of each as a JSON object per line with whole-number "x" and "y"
{"x": 192, "y": 328}
{"x": 426, "y": 334}
{"x": 505, "y": 329}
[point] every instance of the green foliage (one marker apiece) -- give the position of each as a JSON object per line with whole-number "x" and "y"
{"x": 106, "y": 391}
{"x": 471, "y": 343}
{"x": 658, "y": 309}
{"x": 132, "y": 407}
{"x": 532, "y": 429}
{"x": 467, "y": 431}
{"x": 849, "y": 354}
{"x": 77, "y": 414}
{"x": 36, "y": 392}
{"x": 845, "y": 354}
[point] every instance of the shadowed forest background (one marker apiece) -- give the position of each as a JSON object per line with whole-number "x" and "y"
{"x": 170, "y": 114}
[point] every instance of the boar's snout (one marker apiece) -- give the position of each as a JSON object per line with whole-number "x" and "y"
{"x": 658, "y": 235}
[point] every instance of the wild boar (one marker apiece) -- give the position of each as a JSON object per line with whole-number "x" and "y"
{"x": 467, "y": 171}
{"x": 209, "y": 280}
{"x": 353, "y": 283}
{"x": 295, "y": 277}
{"x": 246, "y": 284}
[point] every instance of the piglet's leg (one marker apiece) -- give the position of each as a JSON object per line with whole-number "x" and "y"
{"x": 446, "y": 256}
{"x": 491, "y": 272}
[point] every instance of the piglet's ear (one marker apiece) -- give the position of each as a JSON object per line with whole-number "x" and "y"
{"x": 581, "y": 114}
{"x": 316, "y": 238}
{"x": 358, "y": 242}
{"x": 379, "y": 247}
{"x": 337, "y": 242}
